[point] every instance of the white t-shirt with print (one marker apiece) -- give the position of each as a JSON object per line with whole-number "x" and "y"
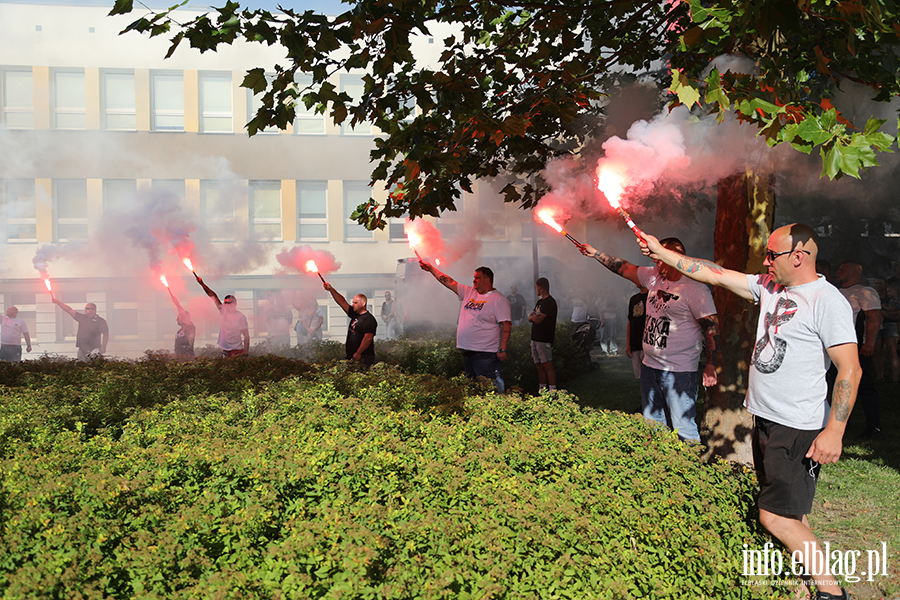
{"x": 479, "y": 319}
{"x": 787, "y": 370}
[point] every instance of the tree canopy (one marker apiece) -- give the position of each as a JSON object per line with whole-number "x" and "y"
{"x": 518, "y": 83}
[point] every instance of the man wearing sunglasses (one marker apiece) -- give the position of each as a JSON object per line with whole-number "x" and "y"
{"x": 804, "y": 323}
{"x": 234, "y": 331}
{"x": 93, "y": 331}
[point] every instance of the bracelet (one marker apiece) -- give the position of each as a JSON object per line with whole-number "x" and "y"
{"x": 502, "y": 350}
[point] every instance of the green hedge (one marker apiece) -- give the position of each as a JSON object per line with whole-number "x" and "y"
{"x": 336, "y": 482}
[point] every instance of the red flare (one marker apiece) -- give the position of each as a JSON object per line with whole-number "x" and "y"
{"x": 188, "y": 264}
{"x": 546, "y": 216}
{"x": 164, "y": 281}
{"x": 312, "y": 268}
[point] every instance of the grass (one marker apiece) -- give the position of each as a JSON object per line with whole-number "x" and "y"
{"x": 857, "y": 504}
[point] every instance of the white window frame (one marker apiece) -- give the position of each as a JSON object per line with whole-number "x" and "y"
{"x": 12, "y": 195}
{"x": 315, "y": 123}
{"x": 226, "y": 188}
{"x": 57, "y": 221}
{"x": 156, "y": 77}
{"x": 78, "y": 110}
{"x": 254, "y": 103}
{"x": 265, "y": 185}
{"x": 125, "y": 111}
{"x": 117, "y": 320}
{"x": 16, "y": 109}
{"x": 208, "y": 113}
{"x": 351, "y": 226}
{"x": 312, "y": 187}
{"x": 364, "y": 128}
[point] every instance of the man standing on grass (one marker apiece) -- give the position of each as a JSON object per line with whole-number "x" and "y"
{"x": 543, "y": 330}
{"x": 866, "y": 305}
{"x": 681, "y": 317}
{"x": 804, "y": 323}
{"x": 484, "y": 323}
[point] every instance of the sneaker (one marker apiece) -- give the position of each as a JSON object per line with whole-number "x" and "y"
{"x": 845, "y": 595}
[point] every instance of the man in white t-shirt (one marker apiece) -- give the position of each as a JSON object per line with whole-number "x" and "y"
{"x": 804, "y": 325}
{"x": 234, "y": 331}
{"x": 484, "y": 323}
{"x": 12, "y": 330}
{"x": 681, "y": 319}
{"x": 866, "y": 305}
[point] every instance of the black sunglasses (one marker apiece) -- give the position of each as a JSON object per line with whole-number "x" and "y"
{"x": 773, "y": 255}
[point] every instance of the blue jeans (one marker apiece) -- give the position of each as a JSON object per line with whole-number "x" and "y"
{"x": 670, "y": 398}
{"x": 484, "y": 364}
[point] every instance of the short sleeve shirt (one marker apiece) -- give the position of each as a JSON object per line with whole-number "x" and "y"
{"x": 90, "y": 329}
{"x": 545, "y": 331}
{"x": 673, "y": 338}
{"x": 796, "y": 327}
{"x": 11, "y": 330}
{"x": 230, "y": 330}
{"x": 360, "y": 325}
{"x": 480, "y": 316}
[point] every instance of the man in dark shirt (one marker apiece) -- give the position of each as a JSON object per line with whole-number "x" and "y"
{"x": 361, "y": 332}
{"x": 93, "y": 332}
{"x": 637, "y": 318}
{"x": 543, "y": 330}
{"x": 516, "y": 305}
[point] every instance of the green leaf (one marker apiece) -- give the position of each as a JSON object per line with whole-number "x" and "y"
{"x": 681, "y": 87}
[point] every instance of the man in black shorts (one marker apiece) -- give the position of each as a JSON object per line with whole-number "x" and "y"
{"x": 804, "y": 323}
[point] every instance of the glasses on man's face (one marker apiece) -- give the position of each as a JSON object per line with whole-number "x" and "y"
{"x": 771, "y": 255}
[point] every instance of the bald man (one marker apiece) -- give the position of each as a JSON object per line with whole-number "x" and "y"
{"x": 804, "y": 323}
{"x": 360, "y": 343}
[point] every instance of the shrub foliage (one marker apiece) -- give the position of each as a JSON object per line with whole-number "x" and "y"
{"x": 272, "y": 478}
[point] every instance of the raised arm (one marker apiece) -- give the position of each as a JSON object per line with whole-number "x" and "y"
{"x": 827, "y": 447}
{"x": 619, "y": 266}
{"x": 444, "y": 280}
{"x": 704, "y": 271}
{"x": 209, "y": 292}
{"x": 342, "y": 302}
{"x": 63, "y": 305}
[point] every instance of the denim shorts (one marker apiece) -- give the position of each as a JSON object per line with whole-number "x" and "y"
{"x": 484, "y": 364}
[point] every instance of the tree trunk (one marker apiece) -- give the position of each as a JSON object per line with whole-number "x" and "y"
{"x": 744, "y": 218}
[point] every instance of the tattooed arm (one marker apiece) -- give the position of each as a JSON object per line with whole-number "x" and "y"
{"x": 619, "y": 266}
{"x": 704, "y": 271}
{"x": 445, "y": 280}
{"x": 710, "y": 327}
{"x": 828, "y": 445}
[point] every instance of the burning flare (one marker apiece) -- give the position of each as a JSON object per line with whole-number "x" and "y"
{"x": 546, "y": 215}
{"x": 312, "y": 268}
{"x": 610, "y": 182}
{"x": 164, "y": 281}
{"x": 187, "y": 263}
{"x": 47, "y": 283}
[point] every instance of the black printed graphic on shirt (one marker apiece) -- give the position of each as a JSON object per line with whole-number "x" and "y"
{"x": 784, "y": 311}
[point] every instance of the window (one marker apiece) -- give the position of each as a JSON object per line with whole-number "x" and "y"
{"x": 119, "y": 112}
{"x": 217, "y": 208}
{"x": 123, "y": 319}
{"x": 306, "y": 121}
{"x": 18, "y": 99}
{"x": 355, "y": 87}
{"x": 19, "y": 210}
{"x": 529, "y": 227}
{"x": 168, "y": 101}
{"x": 254, "y": 103}
{"x": 215, "y": 103}
{"x": 355, "y": 193}
{"x": 265, "y": 210}
{"x": 169, "y": 189}
{"x": 119, "y": 194}
{"x": 312, "y": 211}
{"x": 71, "y": 209}
{"x": 69, "y": 100}
{"x": 395, "y": 230}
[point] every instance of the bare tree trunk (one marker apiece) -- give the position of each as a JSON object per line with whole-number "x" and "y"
{"x": 745, "y": 216}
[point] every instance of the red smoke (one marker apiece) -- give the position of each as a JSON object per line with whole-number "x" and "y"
{"x": 297, "y": 257}
{"x": 424, "y": 238}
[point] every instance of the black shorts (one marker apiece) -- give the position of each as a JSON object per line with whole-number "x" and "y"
{"x": 787, "y": 479}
